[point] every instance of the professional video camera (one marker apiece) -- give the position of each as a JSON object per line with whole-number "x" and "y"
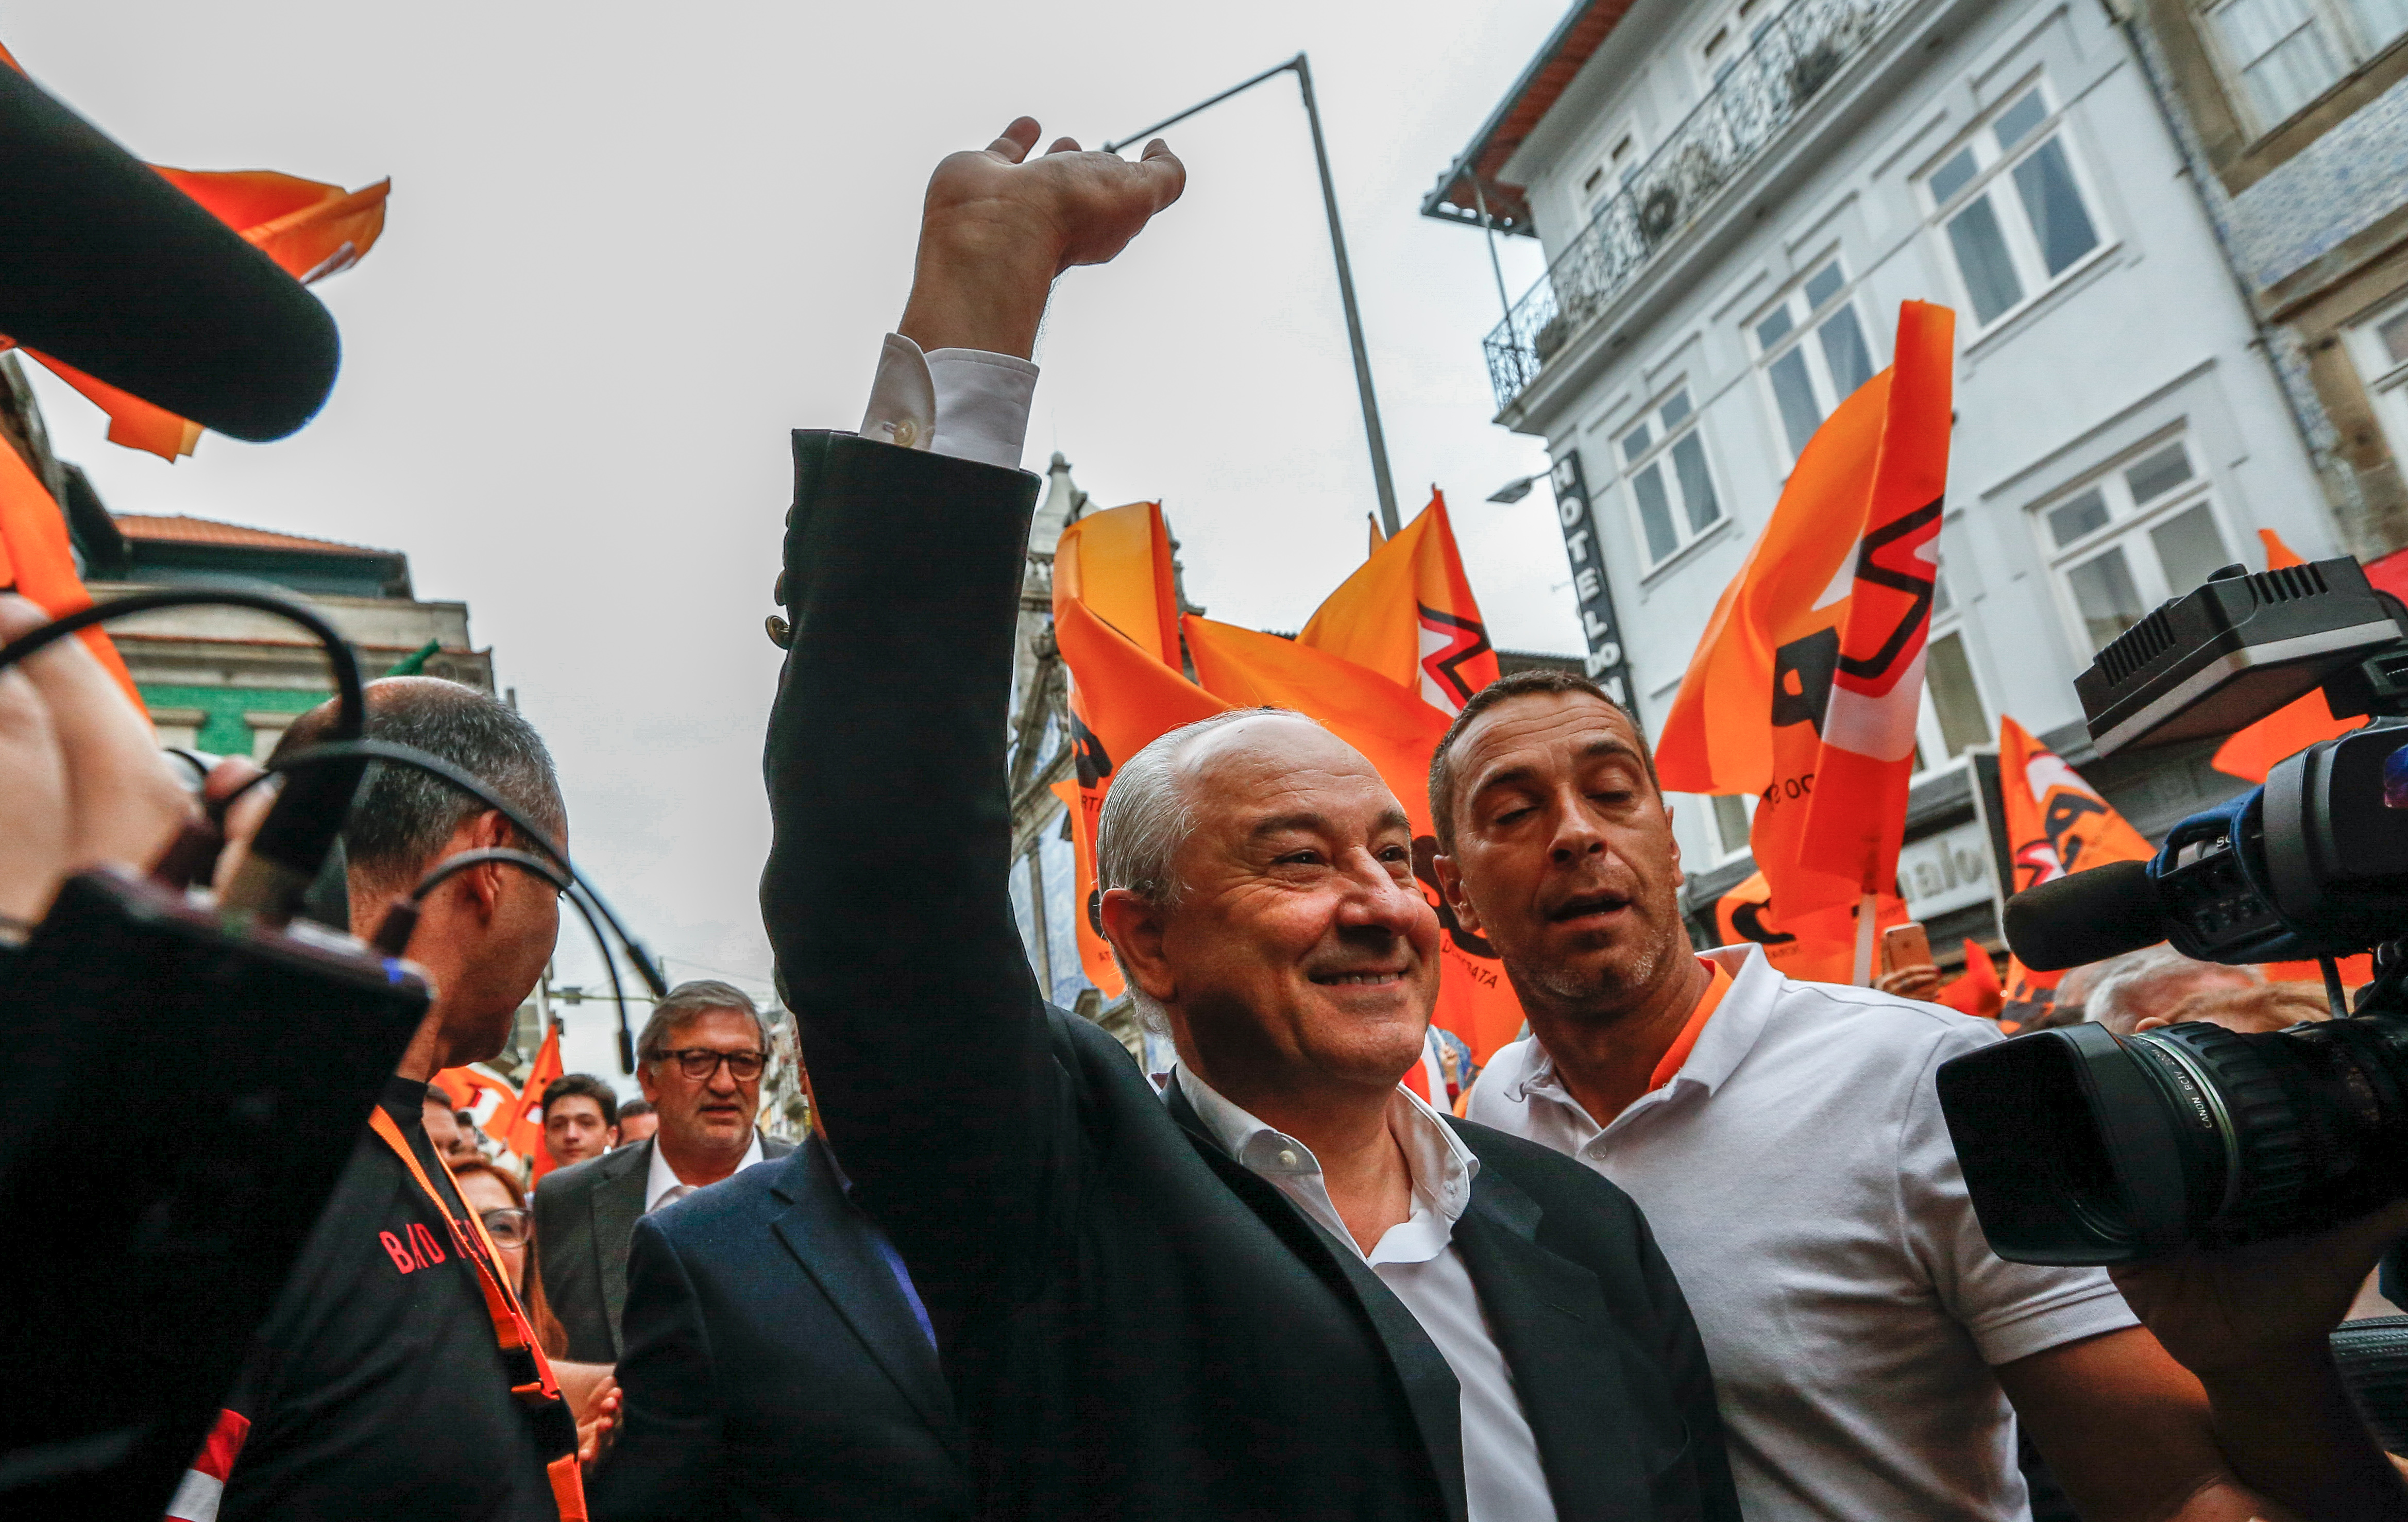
{"x": 2082, "y": 1146}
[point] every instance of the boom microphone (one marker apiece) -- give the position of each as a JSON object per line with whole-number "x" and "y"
{"x": 2085, "y": 916}
{"x": 118, "y": 273}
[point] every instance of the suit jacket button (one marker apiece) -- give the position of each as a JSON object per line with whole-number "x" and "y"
{"x": 778, "y": 593}
{"x": 781, "y": 634}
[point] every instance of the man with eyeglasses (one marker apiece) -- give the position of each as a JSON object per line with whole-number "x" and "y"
{"x": 699, "y": 1060}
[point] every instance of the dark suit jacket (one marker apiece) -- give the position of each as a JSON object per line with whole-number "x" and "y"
{"x": 773, "y": 1368}
{"x": 1133, "y": 1326}
{"x": 586, "y": 1214}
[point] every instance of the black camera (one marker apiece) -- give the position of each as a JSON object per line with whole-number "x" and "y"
{"x": 2082, "y": 1146}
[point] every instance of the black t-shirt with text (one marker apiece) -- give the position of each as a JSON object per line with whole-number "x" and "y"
{"x": 375, "y": 1389}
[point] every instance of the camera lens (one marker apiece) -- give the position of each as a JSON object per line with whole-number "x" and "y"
{"x": 2080, "y": 1146}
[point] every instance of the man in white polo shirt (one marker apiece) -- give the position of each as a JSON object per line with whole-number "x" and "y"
{"x": 1785, "y": 1142}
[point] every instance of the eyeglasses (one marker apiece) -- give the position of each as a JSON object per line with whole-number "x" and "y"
{"x": 700, "y": 1062}
{"x": 508, "y": 1227}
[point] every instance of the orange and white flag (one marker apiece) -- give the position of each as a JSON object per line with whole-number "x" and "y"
{"x": 1805, "y": 687}
{"x": 1409, "y": 614}
{"x": 1819, "y": 946}
{"x": 523, "y": 1134}
{"x": 2057, "y": 823}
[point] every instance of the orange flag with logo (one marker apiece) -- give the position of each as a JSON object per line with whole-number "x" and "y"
{"x": 1409, "y": 615}
{"x": 1396, "y": 732}
{"x": 2251, "y": 752}
{"x": 2055, "y": 823}
{"x": 464, "y": 1085}
{"x": 1094, "y": 952}
{"x": 523, "y": 1134}
{"x": 1816, "y": 947}
{"x": 1805, "y": 687}
{"x": 37, "y": 560}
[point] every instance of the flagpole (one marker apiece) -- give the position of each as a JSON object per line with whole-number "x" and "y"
{"x": 1372, "y": 434}
{"x": 1866, "y": 911}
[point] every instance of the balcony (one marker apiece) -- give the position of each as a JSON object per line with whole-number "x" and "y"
{"x": 1797, "y": 54}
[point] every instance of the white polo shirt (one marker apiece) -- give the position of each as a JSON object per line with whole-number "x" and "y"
{"x": 1799, "y": 1177}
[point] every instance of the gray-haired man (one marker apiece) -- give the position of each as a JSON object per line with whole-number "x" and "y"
{"x": 699, "y": 1059}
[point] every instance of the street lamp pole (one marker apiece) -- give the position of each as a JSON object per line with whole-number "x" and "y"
{"x": 1378, "y": 441}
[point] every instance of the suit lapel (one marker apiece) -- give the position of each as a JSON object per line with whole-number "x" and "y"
{"x": 832, "y": 1241}
{"x": 1550, "y": 1319}
{"x": 617, "y": 1201}
{"x": 1430, "y": 1389}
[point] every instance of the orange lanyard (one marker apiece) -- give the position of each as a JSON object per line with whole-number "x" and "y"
{"x": 530, "y": 1371}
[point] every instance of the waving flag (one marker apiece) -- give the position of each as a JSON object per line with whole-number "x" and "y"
{"x": 2057, "y": 823}
{"x": 37, "y": 560}
{"x": 1805, "y": 687}
{"x": 1815, "y": 947}
{"x": 523, "y": 1134}
{"x": 1976, "y": 992}
{"x": 1409, "y": 615}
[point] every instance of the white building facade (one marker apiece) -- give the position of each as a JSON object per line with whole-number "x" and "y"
{"x": 1734, "y": 199}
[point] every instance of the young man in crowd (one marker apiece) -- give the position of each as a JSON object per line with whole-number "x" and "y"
{"x": 638, "y": 1121}
{"x": 699, "y": 1058}
{"x": 1784, "y": 1138}
{"x": 580, "y": 1119}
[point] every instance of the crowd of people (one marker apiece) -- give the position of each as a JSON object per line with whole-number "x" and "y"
{"x": 1696, "y": 1246}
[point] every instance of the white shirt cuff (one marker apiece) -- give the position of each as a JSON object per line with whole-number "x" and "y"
{"x": 966, "y": 403}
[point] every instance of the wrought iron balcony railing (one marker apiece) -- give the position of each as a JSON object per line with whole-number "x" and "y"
{"x": 1796, "y": 54}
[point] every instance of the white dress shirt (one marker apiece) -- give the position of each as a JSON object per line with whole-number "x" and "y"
{"x": 1418, "y": 1260}
{"x": 661, "y": 1178}
{"x": 1799, "y": 1177}
{"x": 967, "y": 403}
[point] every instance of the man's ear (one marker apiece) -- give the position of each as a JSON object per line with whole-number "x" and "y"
{"x": 483, "y": 883}
{"x": 610, "y": 1137}
{"x": 1450, "y": 887}
{"x": 1134, "y": 927}
{"x": 1675, "y": 834}
{"x": 644, "y": 1081}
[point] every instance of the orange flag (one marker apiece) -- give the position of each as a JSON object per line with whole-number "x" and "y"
{"x": 523, "y": 1134}
{"x": 1818, "y": 947}
{"x": 1117, "y": 562}
{"x": 2251, "y": 752}
{"x": 464, "y": 1084}
{"x": 1409, "y": 615}
{"x": 1805, "y": 687}
{"x": 1397, "y": 731}
{"x": 1094, "y": 952}
{"x": 37, "y": 559}
{"x": 2055, "y": 823}
{"x": 1976, "y": 992}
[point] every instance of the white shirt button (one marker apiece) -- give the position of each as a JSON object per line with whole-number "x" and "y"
{"x": 906, "y": 432}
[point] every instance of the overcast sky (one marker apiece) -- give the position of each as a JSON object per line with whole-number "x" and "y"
{"x": 628, "y": 246}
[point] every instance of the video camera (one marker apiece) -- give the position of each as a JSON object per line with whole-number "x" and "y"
{"x": 2080, "y": 1146}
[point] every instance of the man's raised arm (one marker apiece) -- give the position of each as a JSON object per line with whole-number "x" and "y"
{"x": 885, "y": 893}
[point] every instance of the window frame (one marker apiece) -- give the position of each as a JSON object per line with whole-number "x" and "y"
{"x": 1806, "y": 320}
{"x": 2385, "y": 380}
{"x": 1658, "y": 455}
{"x": 1731, "y": 17}
{"x": 2342, "y": 32}
{"x": 1601, "y": 168}
{"x": 2128, "y": 523}
{"x": 1930, "y": 739}
{"x": 2029, "y": 262}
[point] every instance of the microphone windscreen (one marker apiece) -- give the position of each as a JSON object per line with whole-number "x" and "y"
{"x": 120, "y": 274}
{"x": 2085, "y": 916}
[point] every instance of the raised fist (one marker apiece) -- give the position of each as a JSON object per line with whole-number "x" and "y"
{"x": 999, "y": 225}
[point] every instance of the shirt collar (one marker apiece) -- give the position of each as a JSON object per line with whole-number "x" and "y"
{"x": 1721, "y": 1044}
{"x": 1443, "y": 1166}
{"x": 660, "y": 1178}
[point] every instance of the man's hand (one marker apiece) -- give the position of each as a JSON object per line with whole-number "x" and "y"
{"x": 2226, "y": 1311}
{"x": 1921, "y": 980}
{"x": 84, "y": 780}
{"x": 998, "y": 226}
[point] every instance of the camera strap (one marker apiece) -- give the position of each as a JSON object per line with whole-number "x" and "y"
{"x": 530, "y": 1371}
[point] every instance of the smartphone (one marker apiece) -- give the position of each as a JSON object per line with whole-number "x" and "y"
{"x": 1905, "y": 945}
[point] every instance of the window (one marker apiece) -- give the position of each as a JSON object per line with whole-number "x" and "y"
{"x": 1731, "y": 816}
{"x": 1952, "y": 716}
{"x": 1813, "y": 352}
{"x": 1614, "y": 172}
{"x": 1733, "y": 34}
{"x": 2285, "y": 54}
{"x": 2379, "y": 345}
{"x": 2122, "y": 543}
{"x": 2012, "y": 208}
{"x": 1671, "y": 488}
